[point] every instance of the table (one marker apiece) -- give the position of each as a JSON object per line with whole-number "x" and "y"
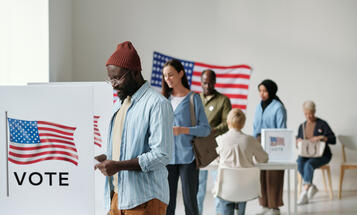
{"x": 276, "y": 166}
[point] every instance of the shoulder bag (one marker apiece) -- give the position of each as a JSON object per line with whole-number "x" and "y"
{"x": 203, "y": 147}
{"x": 310, "y": 149}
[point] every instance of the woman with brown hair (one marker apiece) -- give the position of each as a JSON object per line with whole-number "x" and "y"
{"x": 175, "y": 87}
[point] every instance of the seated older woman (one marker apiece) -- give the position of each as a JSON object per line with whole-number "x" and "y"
{"x": 313, "y": 129}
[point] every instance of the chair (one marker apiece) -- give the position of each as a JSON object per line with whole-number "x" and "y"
{"x": 238, "y": 184}
{"x": 350, "y": 143}
{"x": 325, "y": 168}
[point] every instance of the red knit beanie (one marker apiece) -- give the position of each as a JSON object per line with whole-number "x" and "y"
{"x": 125, "y": 56}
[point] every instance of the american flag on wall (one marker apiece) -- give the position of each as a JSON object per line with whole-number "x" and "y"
{"x": 36, "y": 141}
{"x": 232, "y": 81}
{"x": 97, "y": 136}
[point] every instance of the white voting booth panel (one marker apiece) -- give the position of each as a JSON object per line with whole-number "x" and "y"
{"x": 53, "y": 186}
{"x": 102, "y": 110}
{"x": 279, "y": 144}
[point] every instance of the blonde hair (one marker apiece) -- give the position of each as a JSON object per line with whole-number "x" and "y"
{"x": 236, "y": 118}
{"x": 309, "y": 105}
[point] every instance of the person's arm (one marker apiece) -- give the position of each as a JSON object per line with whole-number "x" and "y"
{"x": 160, "y": 143}
{"x": 260, "y": 155}
{"x": 202, "y": 128}
{"x": 256, "y": 126}
{"x": 218, "y": 148}
{"x": 161, "y": 139}
{"x": 280, "y": 117}
{"x": 328, "y": 135}
{"x": 223, "y": 127}
{"x": 300, "y": 135}
{"x": 110, "y": 167}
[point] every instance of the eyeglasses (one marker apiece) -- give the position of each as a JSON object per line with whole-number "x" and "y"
{"x": 115, "y": 81}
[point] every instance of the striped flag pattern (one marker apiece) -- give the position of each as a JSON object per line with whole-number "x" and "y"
{"x": 97, "y": 136}
{"x": 232, "y": 81}
{"x": 36, "y": 141}
{"x": 115, "y": 96}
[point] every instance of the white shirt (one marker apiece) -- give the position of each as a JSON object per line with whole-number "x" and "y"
{"x": 175, "y": 101}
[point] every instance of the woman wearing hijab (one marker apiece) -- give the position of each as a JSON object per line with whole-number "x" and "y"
{"x": 270, "y": 113}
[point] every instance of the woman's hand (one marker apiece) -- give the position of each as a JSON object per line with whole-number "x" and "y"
{"x": 318, "y": 138}
{"x": 181, "y": 130}
{"x": 297, "y": 141}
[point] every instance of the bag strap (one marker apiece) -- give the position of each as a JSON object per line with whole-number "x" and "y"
{"x": 192, "y": 109}
{"x": 303, "y": 131}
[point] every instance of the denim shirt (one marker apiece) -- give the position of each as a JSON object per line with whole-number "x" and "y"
{"x": 274, "y": 116}
{"x": 148, "y": 136}
{"x": 183, "y": 150}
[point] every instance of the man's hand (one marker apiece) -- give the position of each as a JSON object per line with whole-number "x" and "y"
{"x": 100, "y": 158}
{"x": 108, "y": 167}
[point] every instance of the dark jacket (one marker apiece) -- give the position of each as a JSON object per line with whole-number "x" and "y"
{"x": 321, "y": 128}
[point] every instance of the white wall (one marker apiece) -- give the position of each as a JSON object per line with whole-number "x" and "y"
{"x": 307, "y": 47}
{"x": 60, "y": 40}
{"x": 23, "y": 41}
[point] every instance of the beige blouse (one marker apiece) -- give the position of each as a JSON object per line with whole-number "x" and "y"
{"x": 117, "y": 135}
{"x": 309, "y": 129}
{"x": 236, "y": 149}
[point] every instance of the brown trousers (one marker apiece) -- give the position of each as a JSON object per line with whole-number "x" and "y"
{"x": 152, "y": 207}
{"x": 272, "y": 185}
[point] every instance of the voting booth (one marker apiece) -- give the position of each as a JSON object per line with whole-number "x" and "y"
{"x": 49, "y": 135}
{"x": 103, "y": 100}
{"x": 279, "y": 144}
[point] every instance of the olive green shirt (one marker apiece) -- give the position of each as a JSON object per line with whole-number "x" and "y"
{"x": 217, "y": 107}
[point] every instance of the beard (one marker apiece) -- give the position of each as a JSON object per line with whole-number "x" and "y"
{"x": 127, "y": 90}
{"x": 122, "y": 94}
{"x": 208, "y": 92}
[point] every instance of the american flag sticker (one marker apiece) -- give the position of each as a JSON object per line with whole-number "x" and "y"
{"x": 35, "y": 141}
{"x": 232, "y": 81}
{"x": 277, "y": 141}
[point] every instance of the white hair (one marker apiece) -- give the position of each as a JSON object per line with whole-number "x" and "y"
{"x": 309, "y": 105}
{"x": 236, "y": 118}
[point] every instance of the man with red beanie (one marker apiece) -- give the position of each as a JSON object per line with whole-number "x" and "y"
{"x": 140, "y": 140}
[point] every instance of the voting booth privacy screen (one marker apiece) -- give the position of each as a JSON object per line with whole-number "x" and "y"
{"x": 47, "y": 145}
{"x": 103, "y": 100}
{"x": 279, "y": 144}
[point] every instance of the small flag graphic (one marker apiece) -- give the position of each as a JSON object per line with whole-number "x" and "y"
{"x": 277, "y": 141}
{"x": 97, "y": 136}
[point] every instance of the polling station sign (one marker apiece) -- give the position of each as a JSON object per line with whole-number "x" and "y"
{"x": 46, "y": 150}
{"x": 104, "y": 100}
{"x": 279, "y": 144}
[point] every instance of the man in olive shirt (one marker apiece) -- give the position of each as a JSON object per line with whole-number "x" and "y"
{"x": 217, "y": 107}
